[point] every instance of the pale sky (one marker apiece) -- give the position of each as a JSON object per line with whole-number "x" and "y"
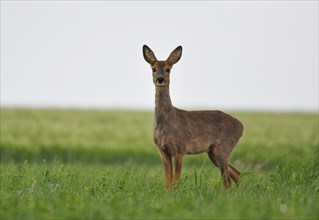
{"x": 246, "y": 55}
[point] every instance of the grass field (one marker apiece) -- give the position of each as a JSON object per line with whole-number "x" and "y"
{"x": 89, "y": 164}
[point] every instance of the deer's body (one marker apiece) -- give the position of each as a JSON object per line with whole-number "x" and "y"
{"x": 198, "y": 131}
{"x": 178, "y": 132}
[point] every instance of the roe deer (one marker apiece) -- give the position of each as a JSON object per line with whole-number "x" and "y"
{"x": 178, "y": 132}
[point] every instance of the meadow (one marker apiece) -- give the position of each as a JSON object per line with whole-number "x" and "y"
{"x": 102, "y": 164}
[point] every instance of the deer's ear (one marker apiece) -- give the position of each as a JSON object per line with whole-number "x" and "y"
{"x": 148, "y": 54}
{"x": 175, "y": 55}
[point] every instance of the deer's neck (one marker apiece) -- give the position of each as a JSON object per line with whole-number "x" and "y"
{"x": 164, "y": 109}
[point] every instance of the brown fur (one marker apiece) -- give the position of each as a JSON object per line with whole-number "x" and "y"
{"x": 178, "y": 132}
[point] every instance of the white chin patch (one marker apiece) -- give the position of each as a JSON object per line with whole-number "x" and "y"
{"x": 160, "y": 84}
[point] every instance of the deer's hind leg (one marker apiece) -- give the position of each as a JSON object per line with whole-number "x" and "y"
{"x": 234, "y": 173}
{"x": 223, "y": 167}
{"x": 221, "y": 162}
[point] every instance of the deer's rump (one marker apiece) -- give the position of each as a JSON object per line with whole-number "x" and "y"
{"x": 199, "y": 131}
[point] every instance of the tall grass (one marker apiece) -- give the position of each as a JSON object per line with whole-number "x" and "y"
{"x": 76, "y": 164}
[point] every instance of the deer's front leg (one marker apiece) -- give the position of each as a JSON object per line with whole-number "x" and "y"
{"x": 178, "y": 166}
{"x": 167, "y": 163}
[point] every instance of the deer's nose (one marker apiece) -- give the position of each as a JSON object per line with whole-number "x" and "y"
{"x": 160, "y": 80}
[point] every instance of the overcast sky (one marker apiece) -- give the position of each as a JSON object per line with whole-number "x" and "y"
{"x": 236, "y": 55}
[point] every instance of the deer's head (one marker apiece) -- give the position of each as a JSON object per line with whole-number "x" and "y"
{"x": 161, "y": 69}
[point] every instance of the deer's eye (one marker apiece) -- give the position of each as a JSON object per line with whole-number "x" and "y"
{"x": 154, "y": 69}
{"x": 168, "y": 70}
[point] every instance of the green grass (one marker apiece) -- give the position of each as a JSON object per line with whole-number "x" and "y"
{"x": 89, "y": 164}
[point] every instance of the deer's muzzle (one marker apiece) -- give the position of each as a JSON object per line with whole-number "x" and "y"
{"x": 160, "y": 81}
